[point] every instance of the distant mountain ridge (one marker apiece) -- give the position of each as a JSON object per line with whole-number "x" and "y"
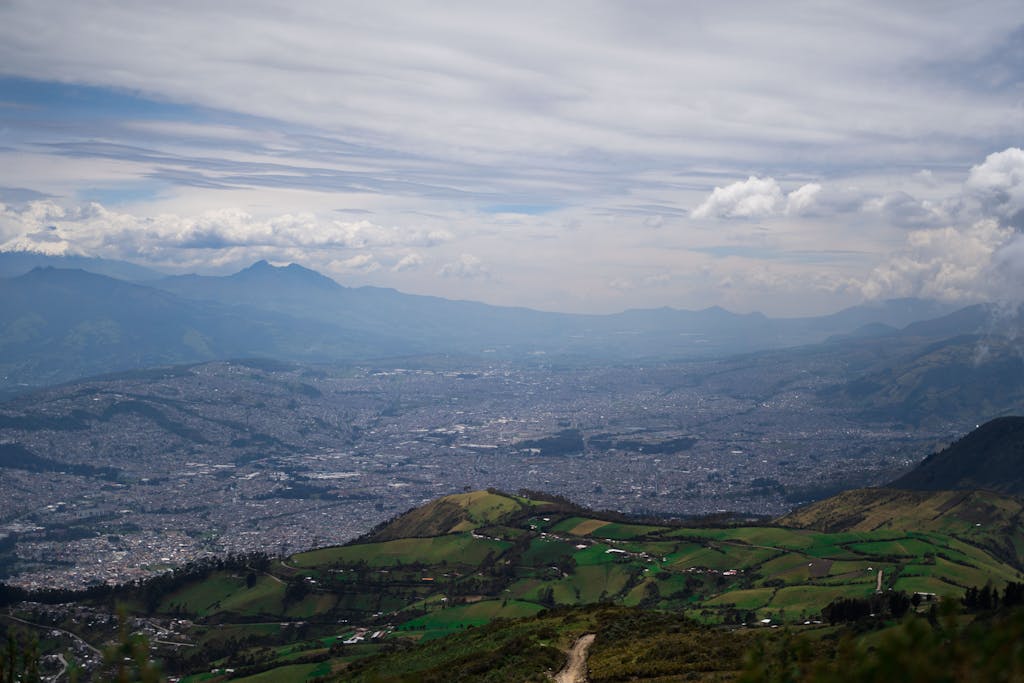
{"x": 58, "y": 324}
{"x": 15, "y": 263}
{"x": 53, "y": 322}
{"x": 242, "y": 283}
{"x": 465, "y": 326}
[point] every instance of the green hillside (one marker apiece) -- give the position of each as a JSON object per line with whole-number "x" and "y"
{"x": 984, "y": 519}
{"x": 990, "y": 457}
{"x": 940, "y": 376}
{"x": 468, "y": 561}
{"x": 454, "y": 513}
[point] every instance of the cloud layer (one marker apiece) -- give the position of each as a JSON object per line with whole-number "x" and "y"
{"x": 222, "y": 236}
{"x": 574, "y": 156}
{"x": 979, "y": 259}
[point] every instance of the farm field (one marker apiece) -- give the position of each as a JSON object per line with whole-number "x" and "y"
{"x": 461, "y": 548}
{"x": 555, "y": 557}
{"x": 509, "y": 557}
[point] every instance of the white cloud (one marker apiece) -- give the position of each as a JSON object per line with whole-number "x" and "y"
{"x": 48, "y": 227}
{"x": 42, "y": 242}
{"x": 925, "y": 177}
{"x": 802, "y": 199}
{"x": 998, "y": 184}
{"x": 420, "y": 119}
{"x": 495, "y": 82}
{"x": 408, "y": 262}
{"x": 657, "y": 279}
{"x": 756, "y": 198}
{"x": 751, "y": 198}
{"x": 901, "y": 209}
{"x": 466, "y": 266}
{"x": 947, "y": 264}
{"x": 981, "y": 258}
{"x": 621, "y": 284}
{"x": 359, "y": 262}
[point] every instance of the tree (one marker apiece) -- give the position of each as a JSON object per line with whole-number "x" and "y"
{"x": 652, "y": 595}
{"x": 127, "y": 661}
{"x": 916, "y": 650}
{"x": 19, "y": 662}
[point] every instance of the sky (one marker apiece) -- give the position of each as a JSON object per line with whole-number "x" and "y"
{"x": 792, "y": 158}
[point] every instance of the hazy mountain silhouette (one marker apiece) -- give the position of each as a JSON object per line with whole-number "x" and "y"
{"x": 58, "y": 324}
{"x": 15, "y": 263}
{"x": 465, "y": 326}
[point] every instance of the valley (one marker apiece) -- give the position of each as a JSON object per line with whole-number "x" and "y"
{"x": 577, "y": 342}
{"x": 266, "y": 485}
{"x": 147, "y": 470}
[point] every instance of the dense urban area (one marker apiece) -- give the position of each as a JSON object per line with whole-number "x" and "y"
{"x": 149, "y": 470}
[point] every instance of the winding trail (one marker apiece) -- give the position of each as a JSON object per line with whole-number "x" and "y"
{"x": 63, "y": 667}
{"x": 575, "y": 670}
{"x": 44, "y": 627}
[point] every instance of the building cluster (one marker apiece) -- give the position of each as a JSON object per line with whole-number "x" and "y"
{"x": 148, "y": 473}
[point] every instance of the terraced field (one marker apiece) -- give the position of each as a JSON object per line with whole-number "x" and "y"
{"x": 507, "y": 557}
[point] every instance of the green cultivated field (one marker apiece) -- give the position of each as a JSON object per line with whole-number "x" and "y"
{"x": 294, "y": 673}
{"x": 459, "y": 548}
{"x": 441, "y": 621}
{"x": 622, "y": 532}
{"x": 503, "y": 558}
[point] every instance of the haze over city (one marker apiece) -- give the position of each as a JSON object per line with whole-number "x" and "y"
{"x": 582, "y": 157}
{"x": 458, "y": 341}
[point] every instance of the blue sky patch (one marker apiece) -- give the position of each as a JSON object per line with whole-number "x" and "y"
{"x": 65, "y": 101}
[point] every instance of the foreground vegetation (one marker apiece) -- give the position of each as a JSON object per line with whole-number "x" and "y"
{"x": 425, "y": 596}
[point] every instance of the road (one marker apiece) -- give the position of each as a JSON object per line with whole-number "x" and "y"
{"x": 54, "y": 628}
{"x": 63, "y": 667}
{"x": 174, "y": 643}
{"x": 575, "y": 670}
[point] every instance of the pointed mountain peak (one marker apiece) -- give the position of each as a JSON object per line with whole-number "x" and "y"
{"x": 725, "y": 313}
{"x": 293, "y": 273}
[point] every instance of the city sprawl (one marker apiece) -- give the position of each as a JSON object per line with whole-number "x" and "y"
{"x": 151, "y": 470}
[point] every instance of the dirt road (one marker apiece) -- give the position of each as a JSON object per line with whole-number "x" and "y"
{"x": 71, "y": 635}
{"x": 575, "y": 670}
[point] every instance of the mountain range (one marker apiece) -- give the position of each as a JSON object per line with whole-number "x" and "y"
{"x": 59, "y": 323}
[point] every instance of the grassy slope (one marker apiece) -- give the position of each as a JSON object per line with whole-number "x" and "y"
{"x": 529, "y": 650}
{"x": 461, "y": 548}
{"x": 455, "y": 513}
{"x": 637, "y": 564}
{"x": 427, "y": 587}
{"x": 985, "y": 519}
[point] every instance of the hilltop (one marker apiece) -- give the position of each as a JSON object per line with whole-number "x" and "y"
{"x": 990, "y": 457}
{"x": 968, "y": 490}
{"x": 460, "y": 512}
{"x": 449, "y": 568}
